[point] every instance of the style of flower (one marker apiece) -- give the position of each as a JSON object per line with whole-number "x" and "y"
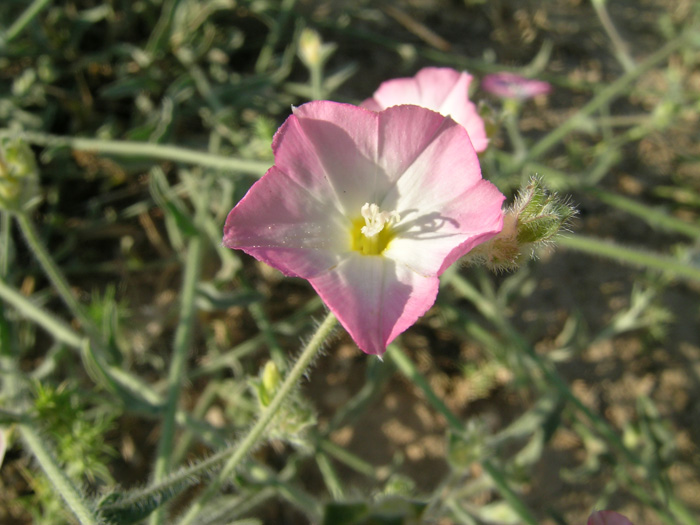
{"x": 441, "y": 89}
{"x": 608, "y": 517}
{"x": 510, "y": 85}
{"x": 370, "y": 208}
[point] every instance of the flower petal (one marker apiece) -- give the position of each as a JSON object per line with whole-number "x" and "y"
{"x": 281, "y": 223}
{"x": 440, "y": 89}
{"x": 510, "y": 85}
{"x": 404, "y": 133}
{"x": 375, "y": 298}
{"x": 446, "y": 208}
{"x": 343, "y": 138}
{"x": 608, "y": 517}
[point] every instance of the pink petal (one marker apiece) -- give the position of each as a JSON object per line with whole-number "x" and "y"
{"x": 444, "y": 90}
{"x": 343, "y": 138}
{"x": 445, "y": 205}
{"x": 404, "y": 133}
{"x": 608, "y": 517}
{"x": 510, "y": 85}
{"x": 286, "y": 226}
{"x": 375, "y": 298}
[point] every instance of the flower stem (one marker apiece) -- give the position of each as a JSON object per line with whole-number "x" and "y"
{"x": 24, "y": 19}
{"x": 54, "y": 273}
{"x": 255, "y": 434}
{"x": 631, "y": 256}
{"x": 55, "y": 327}
{"x": 619, "y": 45}
{"x": 176, "y": 374}
{"x": 128, "y": 148}
{"x": 57, "y": 476}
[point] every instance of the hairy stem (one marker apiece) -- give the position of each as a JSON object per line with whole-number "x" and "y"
{"x": 254, "y": 436}
{"x": 176, "y": 374}
{"x": 57, "y": 476}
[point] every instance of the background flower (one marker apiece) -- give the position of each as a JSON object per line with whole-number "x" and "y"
{"x": 369, "y": 207}
{"x": 441, "y": 89}
{"x": 510, "y": 85}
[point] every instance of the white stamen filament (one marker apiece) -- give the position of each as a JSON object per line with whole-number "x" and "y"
{"x": 375, "y": 220}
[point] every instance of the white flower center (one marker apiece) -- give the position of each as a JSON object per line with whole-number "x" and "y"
{"x": 375, "y": 220}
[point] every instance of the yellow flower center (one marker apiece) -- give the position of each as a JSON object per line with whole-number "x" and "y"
{"x": 372, "y": 232}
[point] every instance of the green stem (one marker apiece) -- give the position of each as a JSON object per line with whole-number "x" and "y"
{"x": 144, "y": 149}
{"x": 24, "y": 19}
{"x": 56, "y": 328}
{"x": 273, "y": 37}
{"x": 317, "y": 81}
{"x": 620, "y": 46}
{"x": 256, "y": 432}
{"x": 652, "y": 216}
{"x": 511, "y": 111}
{"x": 407, "y": 368}
{"x": 178, "y": 365}
{"x": 54, "y": 274}
{"x": 630, "y": 256}
{"x": 6, "y": 357}
{"x": 601, "y": 99}
{"x": 57, "y": 476}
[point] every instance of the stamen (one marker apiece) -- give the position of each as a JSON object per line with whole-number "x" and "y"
{"x": 375, "y": 220}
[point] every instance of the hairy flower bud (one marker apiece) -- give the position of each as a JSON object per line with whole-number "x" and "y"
{"x": 534, "y": 219}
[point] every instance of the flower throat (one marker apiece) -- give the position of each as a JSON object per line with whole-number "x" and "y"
{"x": 372, "y": 232}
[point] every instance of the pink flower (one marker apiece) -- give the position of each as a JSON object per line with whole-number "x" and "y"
{"x": 441, "y": 89}
{"x": 608, "y": 517}
{"x": 510, "y": 85}
{"x": 369, "y": 207}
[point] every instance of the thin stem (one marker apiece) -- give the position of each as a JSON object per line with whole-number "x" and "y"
{"x": 57, "y": 476}
{"x": 273, "y": 37}
{"x": 6, "y": 358}
{"x": 55, "y": 327}
{"x": 128, "y": 148}
{"x": 24, "y": 19}
{"x": 510, "y": 120}
{"x": 630, "y": 256}
{"x": 316, "y": 71}
{"x": 651, "y": 215}
{"x": 256, "y": 432}
{"x": 620, "y": 46}
{"x": 54, "y": 273}
{"x": 176, "y": 374}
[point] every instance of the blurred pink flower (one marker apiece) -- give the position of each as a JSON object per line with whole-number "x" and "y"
{"x": 369, "y": 207}
{"x": 441, "y": 89}
{"x": 510, "y": 85}
{"x": 608, "y": 517}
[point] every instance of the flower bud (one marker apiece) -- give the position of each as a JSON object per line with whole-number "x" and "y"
{"x": 534, "y": 219}
{"x": 268, "y": 384}
{"x": 312, "y": 51}
{"x": 19, "y": 178}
